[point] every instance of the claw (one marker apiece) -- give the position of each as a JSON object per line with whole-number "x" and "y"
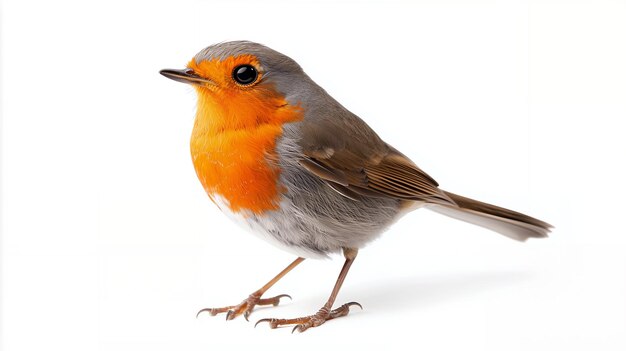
{"x": 229, "y": 314}
{"x": 246, "y": 315}
{"x": 210, "y": 310}
{"x": 297, "y": 327}
{"x": 279, "y": 297}
{"x": 269, "y": 320}
{"x": 353, "y": 304}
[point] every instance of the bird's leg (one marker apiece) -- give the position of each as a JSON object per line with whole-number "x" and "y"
{"x": 247, "y": 305}
{"x": 325, "y": 313}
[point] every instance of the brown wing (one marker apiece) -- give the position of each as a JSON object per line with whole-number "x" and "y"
{"x": 355, "y": 161}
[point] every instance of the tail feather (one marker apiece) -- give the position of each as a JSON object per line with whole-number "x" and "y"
{"x": 509, "y": 223}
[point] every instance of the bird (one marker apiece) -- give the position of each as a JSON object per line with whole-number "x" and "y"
{"x": 280, "y": 156}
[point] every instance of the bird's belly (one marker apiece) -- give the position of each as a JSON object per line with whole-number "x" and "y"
{"x": 274, "y": 228}
{"x": 315, "y": 223}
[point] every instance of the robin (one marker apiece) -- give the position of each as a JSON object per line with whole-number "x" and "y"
{"x": 278, "y": 154}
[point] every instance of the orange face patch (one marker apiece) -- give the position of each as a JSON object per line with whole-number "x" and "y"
{"x": 234, "y": 136}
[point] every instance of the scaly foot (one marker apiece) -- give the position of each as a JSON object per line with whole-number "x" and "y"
{"x": 245, "y": 307}
{"x": 304, "y": 323}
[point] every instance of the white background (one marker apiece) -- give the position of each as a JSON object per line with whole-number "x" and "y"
{"x": 109, "y": 242}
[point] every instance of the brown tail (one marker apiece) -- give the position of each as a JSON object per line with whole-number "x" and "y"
{"x": 512, "y": 224}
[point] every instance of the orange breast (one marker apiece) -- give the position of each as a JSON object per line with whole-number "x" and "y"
{"x": 240, "y": 167}
{"x": 233, "y": 146}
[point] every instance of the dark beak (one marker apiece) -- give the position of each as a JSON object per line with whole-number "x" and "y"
{"x": 186, "y": 75}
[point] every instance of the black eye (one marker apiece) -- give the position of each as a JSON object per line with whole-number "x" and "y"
{"x": 245, "y": 74}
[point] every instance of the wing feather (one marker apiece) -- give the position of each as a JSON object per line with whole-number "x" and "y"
{"x": 392, "y": 175}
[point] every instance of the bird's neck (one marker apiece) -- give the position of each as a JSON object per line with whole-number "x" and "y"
{"x": 233, "y": 149}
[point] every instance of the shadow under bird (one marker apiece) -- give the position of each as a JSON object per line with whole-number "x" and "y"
{"x": 279, "y": 155}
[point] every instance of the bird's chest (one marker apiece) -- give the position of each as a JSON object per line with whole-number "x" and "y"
{"x": 240, "y": 167}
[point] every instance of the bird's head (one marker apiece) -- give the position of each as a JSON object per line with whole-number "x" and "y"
{"x": 241, "y": 83}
